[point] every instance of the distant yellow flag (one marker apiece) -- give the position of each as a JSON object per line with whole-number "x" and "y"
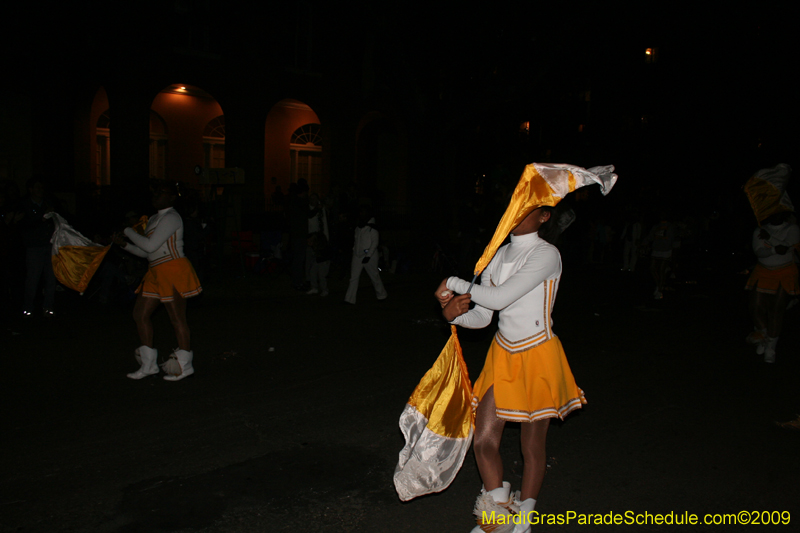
{"x": 437, "y": 425}
{"x": 766, "y": 191}
{"x": 543, "y": 184}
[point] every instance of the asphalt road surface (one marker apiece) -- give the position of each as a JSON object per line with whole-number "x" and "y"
{"x": 290, "y": 422}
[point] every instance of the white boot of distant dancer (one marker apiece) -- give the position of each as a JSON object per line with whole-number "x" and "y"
{"x": 495, "y": 503}
{"x": 179, "y": 365}
{"x": 146, "y": 357}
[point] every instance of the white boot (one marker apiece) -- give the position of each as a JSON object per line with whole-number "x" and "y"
{"x": 498, "y": 501}
{"x": 146, "y": 357}
{"x": 184, "y": 360}
{"x": 525, "y": 508}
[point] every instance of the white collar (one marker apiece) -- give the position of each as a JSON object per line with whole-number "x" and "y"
{"x": 526, "y": 239}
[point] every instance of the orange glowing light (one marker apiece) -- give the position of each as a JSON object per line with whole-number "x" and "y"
{"x": 649, "y": 51}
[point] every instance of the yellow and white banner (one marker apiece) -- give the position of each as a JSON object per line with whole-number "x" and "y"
{"x": 766, "y": 191}
{"x": 543, "y": 184}
{"x": 75, "y": 258}
{"x": 437, "y": 424}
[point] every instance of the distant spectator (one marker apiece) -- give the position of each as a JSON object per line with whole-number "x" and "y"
{"x": 36, "y": 232}
{"x": 631, "y": 238}
{"x": 195, "y": 231}
{"x": 601, "y": 238}
{"x": 278, "y": 198}
{"x": 661, "y": 239}
{"x": 320, "y": 265}
{"x": 318, "y": 239}
{"x": 10, "y": 257}
{"x": 299, "y": 214}
{"x": 365, "y": 256}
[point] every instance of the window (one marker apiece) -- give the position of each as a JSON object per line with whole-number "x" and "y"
{"x": 214, "y": 143}
{"x": 306, "y": 155}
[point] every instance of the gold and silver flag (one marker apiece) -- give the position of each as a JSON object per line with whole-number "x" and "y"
{"x": 75, "y": 258}
{"x": 543, "y": 184}
{"x": 437, "y": 424}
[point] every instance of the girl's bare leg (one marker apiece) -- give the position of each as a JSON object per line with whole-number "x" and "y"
{"x": 533, "y": 440}
{"x": 176, "y": 309}
{"x": 488, "y": 432}
{"x": 142, "y": 311}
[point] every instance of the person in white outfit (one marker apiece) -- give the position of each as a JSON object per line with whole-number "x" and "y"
{"x": 365, "y": 256}
{"x": 662, "y": 240}
{"x": 170, "y": 280}
{"x": 318, "y": 264}
{"x": 631, "y": 238}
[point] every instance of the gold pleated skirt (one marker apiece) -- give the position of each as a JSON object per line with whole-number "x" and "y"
{"x": 768, "y": 280}
{"x": 163, "y": 281}
{"x": 530, "y": 385}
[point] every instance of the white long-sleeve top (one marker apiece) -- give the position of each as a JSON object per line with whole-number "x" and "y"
{"x": 521, "y": 283}
{"x": 163, "y": 240}
{"x": 785, "y": 234}
{"x": 366, "y": 240}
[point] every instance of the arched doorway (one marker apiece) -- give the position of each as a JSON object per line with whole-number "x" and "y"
{"x": 185, "y": 112}
{"x": 305, "y": 154}
{"x": 292, "y": 148}
{"x": 214, "y": 143}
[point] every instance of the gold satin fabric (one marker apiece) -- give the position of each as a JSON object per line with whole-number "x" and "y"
{"x": 764, "y": 198}
{"x": 444, "y": 395}
{"x": 532, "y": 191}
{"x": 74, "y": 266}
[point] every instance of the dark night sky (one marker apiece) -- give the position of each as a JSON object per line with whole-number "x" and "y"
{"x": 719, "y": 103}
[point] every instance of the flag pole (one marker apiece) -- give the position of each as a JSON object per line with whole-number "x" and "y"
{"x": 472, "y": 284}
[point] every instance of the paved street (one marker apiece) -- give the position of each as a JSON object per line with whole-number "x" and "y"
{"x": 681, "y": 414}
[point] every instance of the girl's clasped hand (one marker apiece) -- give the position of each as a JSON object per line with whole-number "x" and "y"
{"x": 452, "y": 306}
